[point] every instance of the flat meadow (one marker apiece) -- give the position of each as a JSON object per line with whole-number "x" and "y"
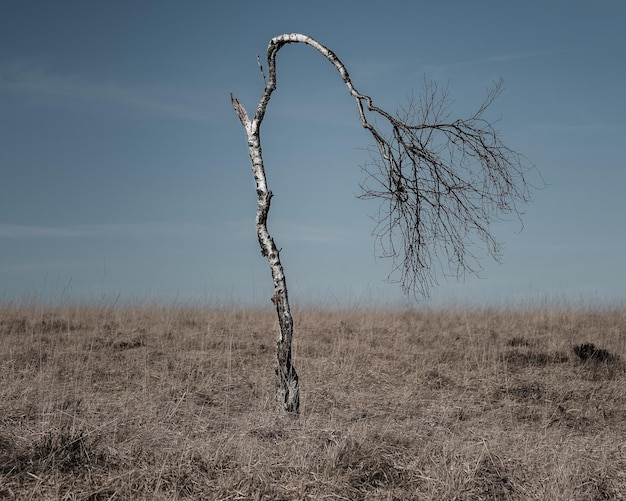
{"x": 177, "y": 403}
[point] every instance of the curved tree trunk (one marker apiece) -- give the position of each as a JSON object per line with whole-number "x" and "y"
{"x": 287, "y": 387}
{"x": 440, "y": 181}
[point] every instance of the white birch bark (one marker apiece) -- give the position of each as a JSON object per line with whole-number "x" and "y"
{"x": 287, "y": 386}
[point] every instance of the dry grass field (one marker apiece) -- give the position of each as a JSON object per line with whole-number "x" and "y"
{"x": 159, "y": 403}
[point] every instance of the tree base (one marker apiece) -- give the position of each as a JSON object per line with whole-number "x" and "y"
{"x": 288, "y": 390}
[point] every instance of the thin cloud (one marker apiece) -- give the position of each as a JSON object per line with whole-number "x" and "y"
{"x": 365, "y": 71}
{"x": 290, "y": 232}
{"x": 313, "y": 234}
{"x": 584, "y": 127}
{"x": 504, "y": 58}
{"x": 37, "y": 83}
{"x": 12, "y": 231}
{"x": 501, "y": 58}
{"x": 123, "y": 230}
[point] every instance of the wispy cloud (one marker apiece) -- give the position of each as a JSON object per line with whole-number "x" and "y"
{"x": 587, "y": 127}
{"x": 435, "y": 69}
{"x": 366, "y": 70}
{"x": 294, "y": 232}
{"x": 391, "y": 69}
{"x": 25, "y": 80}
{"x": 313, "y": 234}
{"x": 123, "y": 230}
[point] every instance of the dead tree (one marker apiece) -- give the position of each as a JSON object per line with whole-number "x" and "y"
{"x": 440, "y": 182}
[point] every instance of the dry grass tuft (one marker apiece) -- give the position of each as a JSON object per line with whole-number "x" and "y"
{"x": 588, "y": 351}
{"x": 178, "y": 403}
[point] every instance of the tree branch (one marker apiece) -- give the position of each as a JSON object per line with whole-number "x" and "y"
{"x": 441, "y": 182}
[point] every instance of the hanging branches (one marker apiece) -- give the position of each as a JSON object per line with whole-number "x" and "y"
{"x": 442, "y": 183}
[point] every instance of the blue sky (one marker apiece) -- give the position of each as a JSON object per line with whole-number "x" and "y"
{"x": 125, "y": 172}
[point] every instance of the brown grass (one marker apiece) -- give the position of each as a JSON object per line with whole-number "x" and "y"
{"x": 178, "y": 403}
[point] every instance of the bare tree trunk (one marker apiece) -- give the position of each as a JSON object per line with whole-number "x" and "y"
{"x": 287, "y": 387}
{"x": 439, "y": 182}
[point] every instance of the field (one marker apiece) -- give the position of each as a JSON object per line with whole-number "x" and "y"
{"x": 173, "y": 403}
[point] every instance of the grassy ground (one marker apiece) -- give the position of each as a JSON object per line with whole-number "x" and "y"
{"x": 159, "y": 403}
